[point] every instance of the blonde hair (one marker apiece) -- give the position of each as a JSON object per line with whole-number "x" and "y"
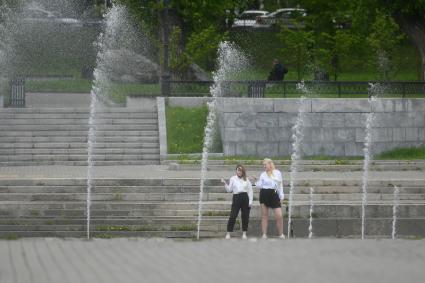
{"x": 273, "y": 167}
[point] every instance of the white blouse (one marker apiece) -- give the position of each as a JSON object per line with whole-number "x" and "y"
{"x": 273, "y": 182}
{"x": 239, "y": 185}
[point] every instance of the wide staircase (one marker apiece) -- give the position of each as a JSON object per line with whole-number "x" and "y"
{"x": 58, "y": 136}
{"x": 169, "y": 208}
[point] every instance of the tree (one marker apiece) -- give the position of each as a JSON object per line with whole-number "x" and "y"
{"x": 297, "y": 43}
{"x": 337, "y": 51}
{"x": 383, "y": 40}
{"x": 408, "y": 14}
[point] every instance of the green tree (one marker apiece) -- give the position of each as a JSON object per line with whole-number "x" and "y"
{"x": 384, "y": 37}
{"x": 297, "y": 44}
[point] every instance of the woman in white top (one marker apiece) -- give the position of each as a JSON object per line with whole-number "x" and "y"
{"x": 271, "y": 194}
{"x": 241, "y": 188}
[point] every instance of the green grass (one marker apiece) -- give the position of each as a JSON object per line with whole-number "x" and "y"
{"x": 185, "y": 129}
{"x": 410, "y": 153}
{"x": 61, "y": 86}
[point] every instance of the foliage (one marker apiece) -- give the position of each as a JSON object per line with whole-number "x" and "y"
{"x": 202, "y": 46}
{"x": 297, "y": 44}
{"x": 383, "y": 40}
{"x": 338, "y": 51}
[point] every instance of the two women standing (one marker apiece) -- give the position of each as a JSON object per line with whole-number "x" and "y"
{"x": 271, "y": 195}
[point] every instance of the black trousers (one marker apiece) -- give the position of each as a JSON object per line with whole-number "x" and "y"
{"x": 239, "y": 202}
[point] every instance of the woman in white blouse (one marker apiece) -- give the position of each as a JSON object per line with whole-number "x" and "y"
{"x": 241, "y": 188}
{"x": 271, "y": 194}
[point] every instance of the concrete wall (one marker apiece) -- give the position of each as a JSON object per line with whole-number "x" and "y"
{"x": 336, "y": 127}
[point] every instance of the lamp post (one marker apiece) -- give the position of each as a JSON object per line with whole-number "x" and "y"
{"x": 165, "y": 72}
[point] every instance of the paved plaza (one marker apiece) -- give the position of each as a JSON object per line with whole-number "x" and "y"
{"x": 254, "y": 260}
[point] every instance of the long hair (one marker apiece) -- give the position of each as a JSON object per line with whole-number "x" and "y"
{"x": 243, "y": 171}
{"x": 273, "y": 167}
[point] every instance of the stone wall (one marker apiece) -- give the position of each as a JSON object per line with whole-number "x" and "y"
{"x": 336, "y": 127}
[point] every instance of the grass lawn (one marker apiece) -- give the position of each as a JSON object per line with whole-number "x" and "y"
{"x": 185, "y": 129}
{"x": 411, "y": 153}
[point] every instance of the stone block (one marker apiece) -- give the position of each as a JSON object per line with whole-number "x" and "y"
{"x": 279, "y": 134}
{"x": 382, "y": 135}
{"x": 417, "y": 104}
{"x": 291, "y": 105}
{"x": 412, "y": 134}
{"x": 333, "y": 120}
{"x": 287, "y": 119}
{"x": 421, "y": 134}
{"x": 229, "y": 149}
{"x": 355, "y": 120}
{"x": 391, "y": 105}
{"x": 344, "y": 135}
{"x": 268, "y": 149}
{"x": 399, "y": 134}
{"x": 285, "y": 148}
{"x": 353, "y": 149}
{"x": 340, "y": 105}
{"x": 228, "y": 105}
{"x": 360, "y": 135}
{"x": 245, "y": 135}
{"x": 312, "y": 120}
{"x": 236, "y": 120}
{"x": 267, "y": 120}
{"x": 323, "y": 148}
{"x": 318, "y": 135}
{"x": 246, "y": 148}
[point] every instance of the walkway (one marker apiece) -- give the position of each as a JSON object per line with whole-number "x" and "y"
{"x": 155, "y": 260}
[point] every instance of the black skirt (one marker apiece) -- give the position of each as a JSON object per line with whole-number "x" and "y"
{"x": 270, "y": 198}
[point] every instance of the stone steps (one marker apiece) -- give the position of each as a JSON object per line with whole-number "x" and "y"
{"x": 58, "y": 136}
{"x": 152, "y": 207}
{"x": 24, "y": 147}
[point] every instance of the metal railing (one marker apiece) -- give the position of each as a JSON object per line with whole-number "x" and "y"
{"x": 337, "y": 89}
{"x": 17, "y": 92}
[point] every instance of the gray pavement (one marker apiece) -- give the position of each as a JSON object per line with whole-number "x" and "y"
{"x": 254, "y": 260}
{"x": 162, "y": 171}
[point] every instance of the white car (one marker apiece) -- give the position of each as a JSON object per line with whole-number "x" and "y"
{"x": 284, "y": 16}
{"x": 248, "y": 18}
{"x": 39, "y": 15}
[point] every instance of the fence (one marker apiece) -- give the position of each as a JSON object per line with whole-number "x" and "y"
{"x": 337, "y": 89}
{"x": 17, "y": 92}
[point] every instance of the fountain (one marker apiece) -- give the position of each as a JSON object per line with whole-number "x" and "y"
{"x": 374, "y": 90}
{"x": 395, "y": 211}
{"x": 297, "y": 140}
{"x": 119, "y": 43}
{"x": 310, "y": 227}
{"x": 230, "y": 62}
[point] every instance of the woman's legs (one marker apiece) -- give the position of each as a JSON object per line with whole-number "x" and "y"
{"x": 264, "y": 218}
{"x": 245, "y": 212}
{"x": 233, "y": 213}
{"x": 279, "y": 220}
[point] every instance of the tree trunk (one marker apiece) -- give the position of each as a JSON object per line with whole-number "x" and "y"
{"x": 415, "y": 28}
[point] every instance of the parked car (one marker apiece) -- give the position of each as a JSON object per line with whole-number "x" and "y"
{"x": 39, "y": 15}
{"x": 285, "y": 17}
{"x": 248, "y": 18}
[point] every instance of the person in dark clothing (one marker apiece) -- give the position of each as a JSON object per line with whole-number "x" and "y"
{"x": 278, "y": 72}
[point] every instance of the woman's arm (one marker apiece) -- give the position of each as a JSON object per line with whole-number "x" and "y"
{"x": 280, "y": 185}
{"x": 228, "y": 187}
{"x": 259, "y": 182}
{"x": 250, "y": 193}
